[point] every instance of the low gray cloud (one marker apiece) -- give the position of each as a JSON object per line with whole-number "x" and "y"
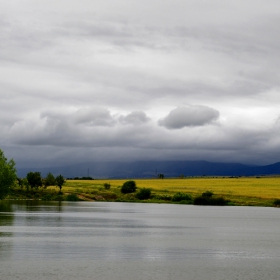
{"x": 193, "y": 115}
{"x": 136, "y": 117}
{"x": 69, "y": 142}
{"x": 94, "y": 117}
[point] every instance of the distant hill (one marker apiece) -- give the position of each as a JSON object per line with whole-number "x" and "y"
{"x": 149, "y": 169}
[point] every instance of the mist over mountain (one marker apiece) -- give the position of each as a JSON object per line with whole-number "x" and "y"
{"x": 150, "y": 169}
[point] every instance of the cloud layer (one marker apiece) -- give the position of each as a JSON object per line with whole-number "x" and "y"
{"x": 138, "y": 80}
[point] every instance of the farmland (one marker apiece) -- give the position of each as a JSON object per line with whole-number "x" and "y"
{"x": 247, "y": 191}
{"x": 240, "y": 191}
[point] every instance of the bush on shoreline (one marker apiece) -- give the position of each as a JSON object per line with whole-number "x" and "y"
{"x": 276, "y": 203}
{"x": 207, "y": 199}
{"x": 178, "y": 197}
{"x": 128, "y": 187}
{"x": 144, "y": 193}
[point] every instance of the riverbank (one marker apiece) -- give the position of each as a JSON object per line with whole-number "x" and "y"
{"x": 243, "y": 191}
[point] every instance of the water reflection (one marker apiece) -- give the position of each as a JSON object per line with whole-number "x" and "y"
{"x": 36, "y": 205}
{"x": 174, "y": 238}
{"x": 6, "y": 222}
{"x": 6, "y": 213}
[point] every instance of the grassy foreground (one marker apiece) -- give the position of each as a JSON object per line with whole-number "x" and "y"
{"x": 249, "y": 191}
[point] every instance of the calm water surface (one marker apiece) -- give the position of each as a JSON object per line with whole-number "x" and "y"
{"x": 88, "y": 240}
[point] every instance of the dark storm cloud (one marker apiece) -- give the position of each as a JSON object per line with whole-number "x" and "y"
{"x": 193, "y": 115}
{"x": 57, "y": 134}
{"x": 147, "y": 142}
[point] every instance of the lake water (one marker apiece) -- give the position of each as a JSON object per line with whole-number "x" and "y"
{"x": 102, "y": 240}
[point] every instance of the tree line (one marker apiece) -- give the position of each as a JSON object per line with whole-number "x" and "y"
{"x": 33, "y": 180}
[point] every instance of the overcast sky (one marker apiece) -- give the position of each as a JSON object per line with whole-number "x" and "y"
{"x": 139, "y": 80}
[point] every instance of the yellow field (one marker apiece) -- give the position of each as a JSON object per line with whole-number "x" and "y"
{"x": 242, "y": 190}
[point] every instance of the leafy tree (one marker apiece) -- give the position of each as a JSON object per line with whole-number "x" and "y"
{"x": 20, "y": 182}
{"x": 34, "y": 179}
{"x": 128, "y": 187}
{"x": 25, "y": 183}
{"x": 49, "y": 180}
{"x": 161, "y": 176}
{"x": 7, "y": 174}
{"x": 60, "y": 181}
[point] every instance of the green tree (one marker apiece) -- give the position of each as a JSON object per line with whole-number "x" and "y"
{"x": 128, "y": 187}
{"x": 60, "y": 181}
{"x": 20, "y": 182}
{"x": 34, "y": 179}
{"x": 25, "y": 184}
{"x": 8, "y": 174}
{"x": 49, "y": 180}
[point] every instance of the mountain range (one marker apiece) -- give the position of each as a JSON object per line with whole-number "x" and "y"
{"x": 151, "y": 169}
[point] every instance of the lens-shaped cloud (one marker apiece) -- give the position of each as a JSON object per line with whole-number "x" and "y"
{"x": 192, "y": 115}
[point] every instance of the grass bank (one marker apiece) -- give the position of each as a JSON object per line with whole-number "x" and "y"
{"x": 248, "y": 191}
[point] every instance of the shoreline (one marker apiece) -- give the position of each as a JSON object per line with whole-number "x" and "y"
{"x": 244, "y": 191}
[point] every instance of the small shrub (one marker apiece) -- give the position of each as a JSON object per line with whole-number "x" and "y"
{"x": 181, "y": 196}
{"x": 207, "y": 194}
{"x": 72, "y": 197}
{"x": 201, "y": 200}
{"x": 107, "y": 186}
{"x": 128, "y": 187}
{"x": 219, "y": 201}
{"x": 276, "y": 202}
{"x": 207, "y": 199}
{"x": 144, "y": 194}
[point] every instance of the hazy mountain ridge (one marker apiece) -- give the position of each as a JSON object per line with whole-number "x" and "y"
{"x": 149, "y": 169}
